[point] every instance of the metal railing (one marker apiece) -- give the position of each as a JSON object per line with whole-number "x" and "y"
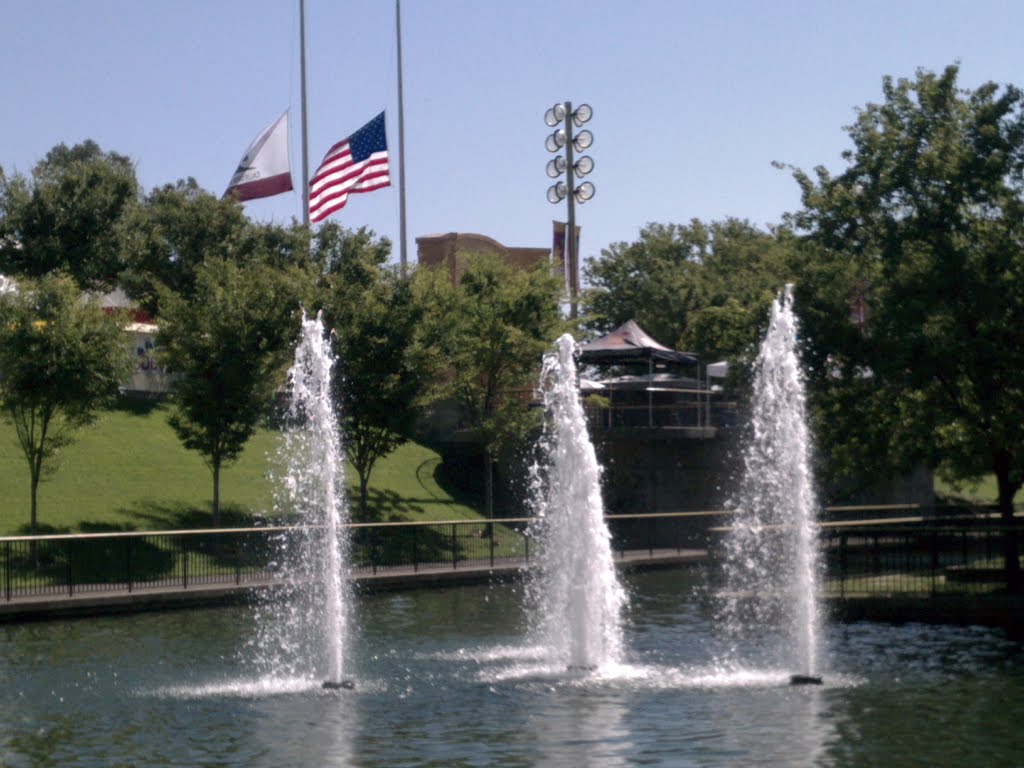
{"x": 931, "y": 557}
{"x": 69, "y": 565}
{"x": 901, "y": 554}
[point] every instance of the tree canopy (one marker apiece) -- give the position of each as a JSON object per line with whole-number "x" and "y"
{"x": 700, "y": 287}
{"x": 228, "y": 345}
{"x": 924, "y": 230}
{"x": 61, "y": 359}
{"x": 68, "y": 215}
{"x": 492, "y": 329}
{"x": 384, "y": 367}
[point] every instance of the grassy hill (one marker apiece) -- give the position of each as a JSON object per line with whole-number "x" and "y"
{"x": 130, "y": 472}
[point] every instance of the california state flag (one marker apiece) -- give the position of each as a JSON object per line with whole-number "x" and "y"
{"x": 264, "y": 169}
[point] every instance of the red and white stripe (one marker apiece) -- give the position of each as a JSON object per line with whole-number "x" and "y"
{"x": 338, "y": 177}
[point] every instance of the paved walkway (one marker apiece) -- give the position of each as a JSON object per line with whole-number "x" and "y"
{"x": 93, "y": 599}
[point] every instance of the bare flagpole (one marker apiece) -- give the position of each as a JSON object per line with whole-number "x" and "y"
{"x": 305, "y": 138}
{"x": 403, "y": 248}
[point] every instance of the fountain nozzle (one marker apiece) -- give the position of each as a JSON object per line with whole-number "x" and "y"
{"x": 331, "y": 685}
{"x": 804, "y": 680}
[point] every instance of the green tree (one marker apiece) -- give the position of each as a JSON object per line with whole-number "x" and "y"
{"x": 175, "y": 229}
{"x": 61, "y": 359}
{"x": 493, "y": 329}
{"x": 68, "y": 215}
{"x": 924, "y": 228}
{"x": 384, "y": 368}
{"x": 702, "y": 287}
{"x": 227, "y": 345}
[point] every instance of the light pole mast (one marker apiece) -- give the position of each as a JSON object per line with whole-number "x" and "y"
{"x": 572, "y": 168}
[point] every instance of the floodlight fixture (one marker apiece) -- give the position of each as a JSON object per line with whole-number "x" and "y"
{"x": 584, "y": 192}
{"x": 556, "y": 192}
{"x": 555, "y": 141}
{"x": 556, "y": 166}
{"x": 583, "y": 166}
{"x": 554, "y": 115}
{"x": 583, "y": 140}
{"x": 582, "y": 114}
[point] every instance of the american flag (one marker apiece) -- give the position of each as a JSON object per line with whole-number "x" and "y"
{"x": 356, "y": 164}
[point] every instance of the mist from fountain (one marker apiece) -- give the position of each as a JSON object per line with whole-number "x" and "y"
{"x": 575, "y": 589}
{"x": 314, "y": 487}
{"x": 772, "y": 563}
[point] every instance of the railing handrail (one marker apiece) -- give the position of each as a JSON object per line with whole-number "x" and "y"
{"x": 259, "y": 529}
{"x": 827, "y": 525}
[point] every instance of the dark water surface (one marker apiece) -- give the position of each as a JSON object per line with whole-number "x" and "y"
{"x": 446, "y": 678}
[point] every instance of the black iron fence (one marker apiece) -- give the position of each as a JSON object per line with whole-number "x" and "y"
{"x": 904, "y": 554}
{"x": 929, "y": 557}
{"x": 69, "y": 565}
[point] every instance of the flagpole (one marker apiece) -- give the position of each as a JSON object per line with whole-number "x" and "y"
{"x": 305, "y": 139}
{"x": 403, "y": 254}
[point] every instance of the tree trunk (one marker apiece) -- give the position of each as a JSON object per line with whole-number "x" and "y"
{"x": 1011, "y": 550}
{"x": 34, "y": 527}
{"x": 489, "y": 483}
{"x": 364, "y": 486}
{"x": 216, "y": 494}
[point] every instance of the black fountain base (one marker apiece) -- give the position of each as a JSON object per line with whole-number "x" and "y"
{"x": 331, "y": 685}
{"x": 581, "y": 667}
{"x": 804, "y": 680}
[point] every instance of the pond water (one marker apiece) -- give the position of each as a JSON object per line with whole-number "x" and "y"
{"x": 445, "y": 678}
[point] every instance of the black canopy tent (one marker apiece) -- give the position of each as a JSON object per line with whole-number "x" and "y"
{"x": 629, "y": 344}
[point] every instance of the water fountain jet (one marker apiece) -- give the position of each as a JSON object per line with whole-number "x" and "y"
{"x": 771, "y": 548}
{"x": 576, "y": 587}
{"x": 316, "y": 485}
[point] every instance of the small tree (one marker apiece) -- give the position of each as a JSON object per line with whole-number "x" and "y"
{"x": 383, "y": 368}
{"x": 227, "y": 346}
{"x": 493, "y": 329}
{"x": 61, "y": 359}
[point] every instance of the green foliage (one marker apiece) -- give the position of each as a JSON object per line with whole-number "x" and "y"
{"x": 175, "y": 229}
{"x": 494, "y": 327}
{"x": 925, "y": 227}
{"x": 384, "y": 368}
{"x": 68, "y": 216}
{"x": 61, "y": 359}
{"x": 701, "y": 287}
{"x": 227, "y": 345}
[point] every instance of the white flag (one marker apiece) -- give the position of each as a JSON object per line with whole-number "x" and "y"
{"x": 264, "y": 169}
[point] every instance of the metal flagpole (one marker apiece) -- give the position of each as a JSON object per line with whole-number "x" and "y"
{"x": 403, "y": 254}
{"x": 305, "y": 138}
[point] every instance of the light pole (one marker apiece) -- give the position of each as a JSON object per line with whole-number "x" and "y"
{"x": 573, "y": 169}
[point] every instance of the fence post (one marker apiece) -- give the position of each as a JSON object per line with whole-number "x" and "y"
{"x": 455, "y": 544}
{"x": 492, "y": 545}
{"x": 128, "y": 562}
{"x": 184, "y": 562}
{"x": 935, "y": 559}
{"x": 374, "y": 549}
{"x": 71, "y": 579}
{"x": 415, "y": 549}
{"x": 526, "y": 544}
{"x": 7, "y": 568}
{"x": 238, "y": 559}
{"x": 650, "y": 536}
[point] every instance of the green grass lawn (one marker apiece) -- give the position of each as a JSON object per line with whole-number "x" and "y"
{"x": 130, "y": 472}
{"x": 983, "y": 492}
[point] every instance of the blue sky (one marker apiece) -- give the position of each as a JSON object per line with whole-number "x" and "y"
{"x": 692, "y": 100}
